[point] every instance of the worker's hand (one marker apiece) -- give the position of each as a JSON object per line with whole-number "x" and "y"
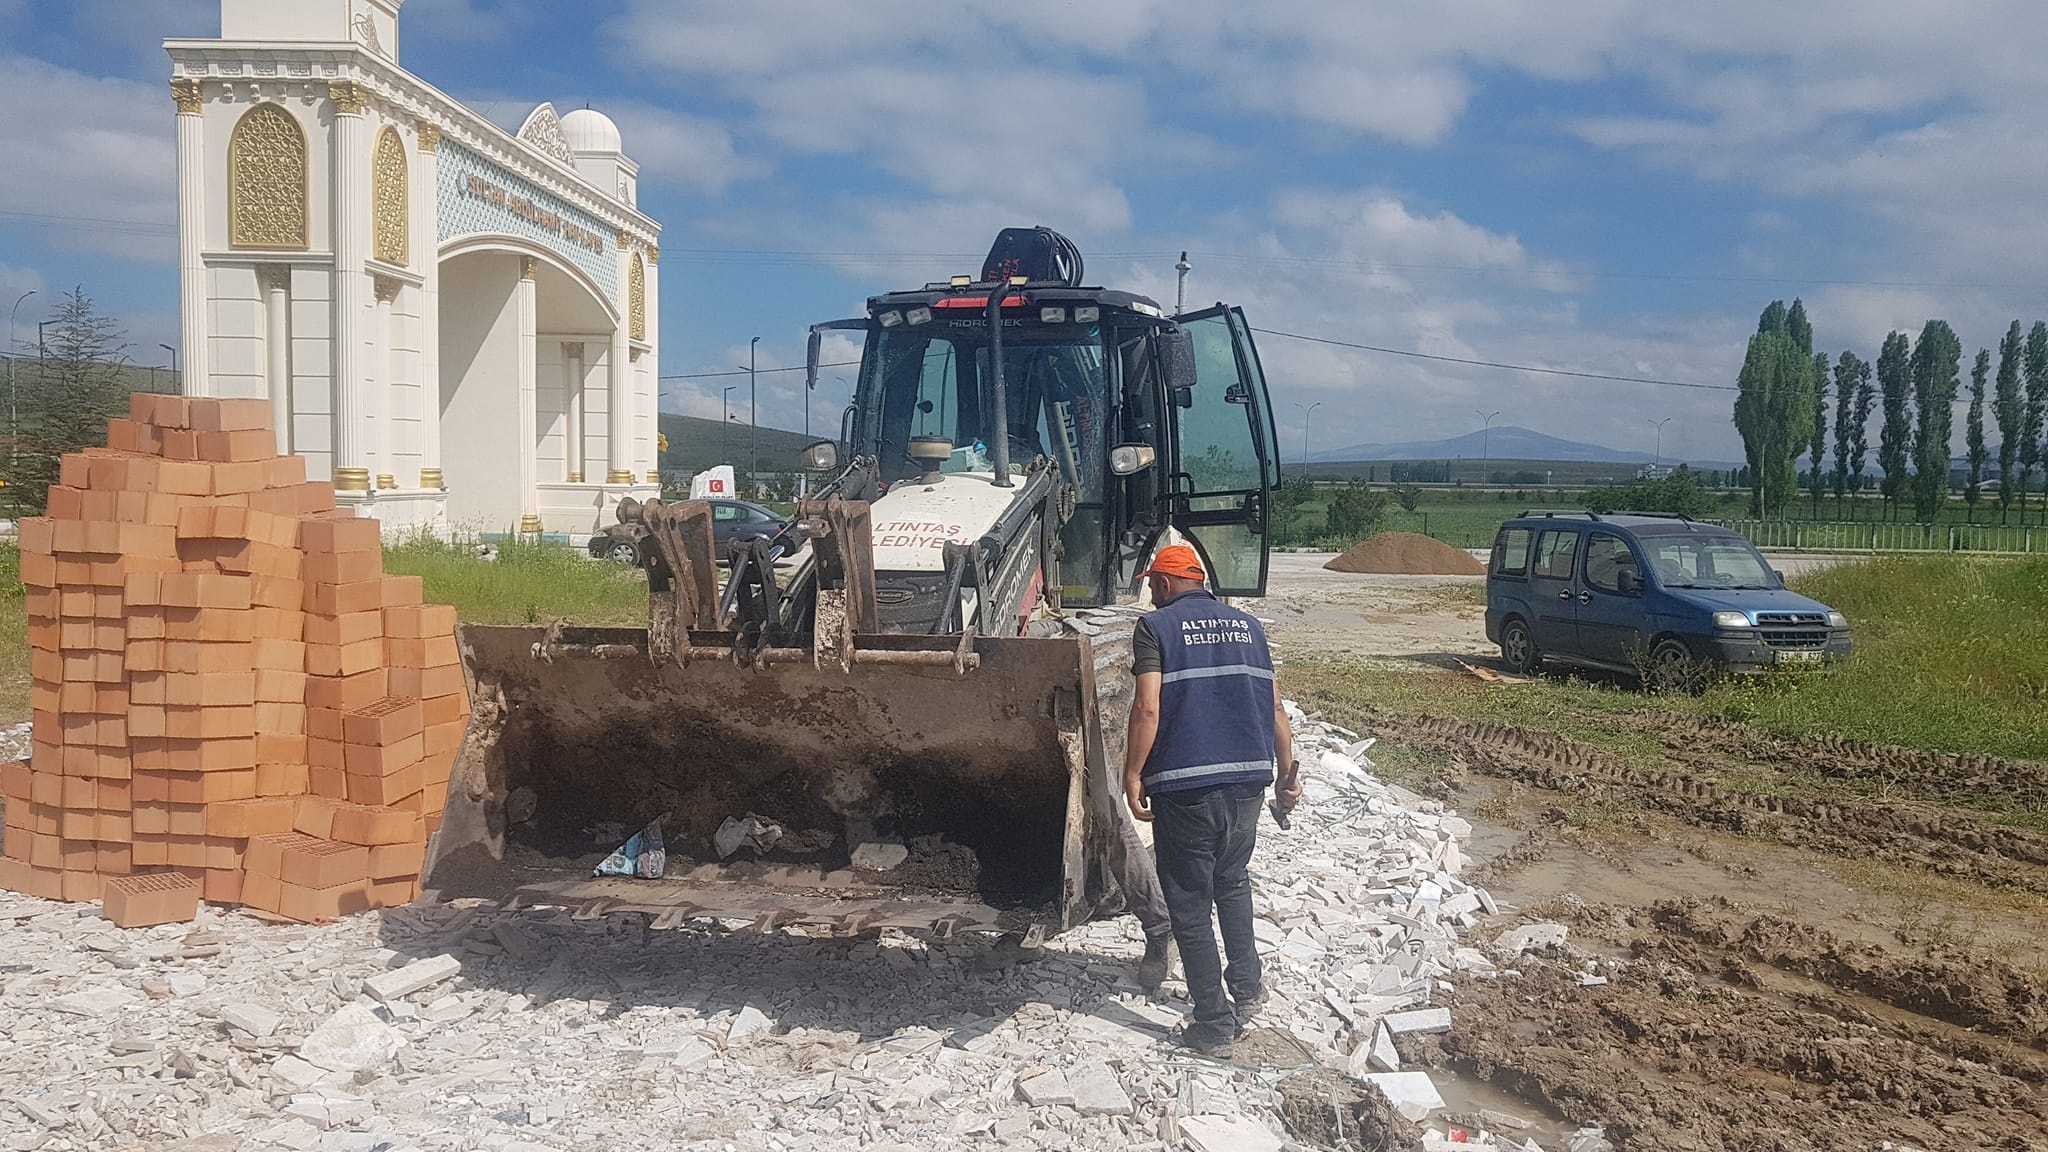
{"x": 1287, "y": 788}
{"x": 1134, "y": 795}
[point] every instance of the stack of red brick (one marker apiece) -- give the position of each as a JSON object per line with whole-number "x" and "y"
{"x": 226, "y": 684}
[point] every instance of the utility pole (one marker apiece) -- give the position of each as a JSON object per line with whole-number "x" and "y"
{"x": 724, "y": 418}
{"x": 1180, "y": 296}
{"x": 175, "y": 378}
{"x": 13, "y": 411}
{"x": 1307, "y": 410}
{"x": 753, "y": 417}
{"x": 1485, "y": 437}
{"x": 1658, "y": 458}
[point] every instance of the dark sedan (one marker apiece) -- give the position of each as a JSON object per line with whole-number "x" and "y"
{"x": 730, "y": 520}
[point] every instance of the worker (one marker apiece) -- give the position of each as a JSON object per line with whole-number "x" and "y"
{"x": 1207, "y": 732}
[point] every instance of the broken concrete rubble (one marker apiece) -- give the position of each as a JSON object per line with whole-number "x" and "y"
{"x": 564, "y": 1033}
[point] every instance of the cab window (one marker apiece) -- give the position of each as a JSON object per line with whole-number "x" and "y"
{"x": 1554, "y": 550}
{"x": 1511, "y": 552}
{"x": 1607, "y": 557}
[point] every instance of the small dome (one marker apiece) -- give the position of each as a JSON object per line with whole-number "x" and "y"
{"x": 589, "y": 130}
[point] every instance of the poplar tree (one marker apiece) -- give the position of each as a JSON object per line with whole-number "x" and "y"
{"x": 1973, "y": 432}
{"x": 1937, "y": 357}
{"x": 1774, "y": 406}
{"x": 1895, "y": 435}
{"x": 2008, "y": 408}
{"x": 1852, "y": 416}
{"x": 2037, "y": 405}
{"x": 1817, "y": 443}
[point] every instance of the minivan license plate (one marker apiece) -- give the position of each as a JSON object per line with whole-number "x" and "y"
{"x": 1799, "y": 657}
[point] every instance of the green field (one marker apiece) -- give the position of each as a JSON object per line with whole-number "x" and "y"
{"x": 530, "y": 582}
{"x": 1952, "y": 656}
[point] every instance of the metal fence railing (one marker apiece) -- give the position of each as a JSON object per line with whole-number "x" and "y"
{"x": 1847, "y": 536}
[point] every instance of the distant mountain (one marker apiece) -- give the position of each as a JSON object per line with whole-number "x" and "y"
{"x": 694, "y": 443}
{"x": 1504, "y": 443}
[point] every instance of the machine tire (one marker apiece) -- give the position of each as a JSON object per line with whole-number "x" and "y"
{"x": 1518, "y": 648}
{"x": 623, "y": 552}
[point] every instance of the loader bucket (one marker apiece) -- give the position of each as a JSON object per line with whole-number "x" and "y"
{"x": 992, "y": 779}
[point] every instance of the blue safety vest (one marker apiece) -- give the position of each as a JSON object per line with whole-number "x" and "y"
{"x": 1215, "y": 699}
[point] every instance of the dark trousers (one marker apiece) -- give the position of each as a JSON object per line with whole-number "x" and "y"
{"x": 1203, "y": 844}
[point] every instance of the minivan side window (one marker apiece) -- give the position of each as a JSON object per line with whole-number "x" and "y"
{"x": 1607, "y": 556}
{"x": 1511, "y": 552}
{"x": 1554, "y": 550}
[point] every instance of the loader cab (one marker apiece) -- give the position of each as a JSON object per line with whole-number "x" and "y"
{"x": 1087, "y": 372}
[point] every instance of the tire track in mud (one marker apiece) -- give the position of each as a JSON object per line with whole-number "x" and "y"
{"x": 1692, "y": 1046}
{"x": 1911, "y": 831}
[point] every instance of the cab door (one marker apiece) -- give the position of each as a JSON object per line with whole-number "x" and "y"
{"x": 1224, "y": 462}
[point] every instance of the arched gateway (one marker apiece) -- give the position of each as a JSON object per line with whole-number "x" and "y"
{"x": 458, "y": 325}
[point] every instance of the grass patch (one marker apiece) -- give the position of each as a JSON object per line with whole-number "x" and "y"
{"x": 13, "y": 637}
{"x": 1952, "y": 656}
{"x": 531, "y": 582}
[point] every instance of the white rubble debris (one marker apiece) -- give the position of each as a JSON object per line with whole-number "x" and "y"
{"x": 1532, "y": 938}
{"x": 455, "y": 1025}
{"x": 418, "y": 975}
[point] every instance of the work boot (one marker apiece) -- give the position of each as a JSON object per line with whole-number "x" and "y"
{"x": 1249, "y": 1003}
{"x": 1158, "y": 958}
{"x": 1204, "y": 1045}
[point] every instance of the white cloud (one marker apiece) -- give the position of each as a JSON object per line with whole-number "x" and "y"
{"x": 678, "y": 149}
{"x": 90, "y": 159}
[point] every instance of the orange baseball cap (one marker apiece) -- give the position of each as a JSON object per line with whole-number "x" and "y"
{"x": 1176, "y": 560}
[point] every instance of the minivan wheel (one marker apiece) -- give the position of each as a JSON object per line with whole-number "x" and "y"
{"x": 623, "y": 552}
{"x": 1518, "y": 648}
{"x": 1673, "y": 668}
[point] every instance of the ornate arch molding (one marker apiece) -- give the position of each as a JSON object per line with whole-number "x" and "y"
{"x": 267, "y": 180}
{"x": 390, "y": 209}
{"x": 636, "y": 299}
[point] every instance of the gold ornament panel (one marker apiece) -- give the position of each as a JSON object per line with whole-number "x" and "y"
{"x": 636, "y": 298}
{"x": 390, "y": 217}
{"x": 267, "y": 180}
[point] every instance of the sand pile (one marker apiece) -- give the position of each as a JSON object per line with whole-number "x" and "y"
{"x": 1406, "y": 554}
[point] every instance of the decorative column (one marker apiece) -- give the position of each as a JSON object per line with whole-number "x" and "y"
{"x": 529, "y": 395}
{"x": 618, "y": 441}
{"x": 277, "y": 346}
{"x": 380, "y": 394}
{"x": 192, "y": 236}
{"x": 572, "y": 407}
{"x": 351, "y": 215}
{"x": 651, "y": 364}
{"x": 426, "y": 256}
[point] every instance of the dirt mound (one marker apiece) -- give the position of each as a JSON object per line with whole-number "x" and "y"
{"x": 1406, "y": 554}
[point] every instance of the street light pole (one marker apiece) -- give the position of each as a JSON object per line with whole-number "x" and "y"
{"x": 753, "y": 418}
{"x": 1307, "y": 410}
{"x": 1658, "y": 458}
{"x": 13, "y": 413}
{"x": 724, "y": 418}
{"x": 1485, "y": 437}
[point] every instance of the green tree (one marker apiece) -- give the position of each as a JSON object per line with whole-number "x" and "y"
{"x": 1296, "y": 492}
{"x": 1895, "y": 436}
{"x": 64, "y": 405}
{"x": 1355, "y": 509}
{"x": 1817, "y": 444}
{"x": 1774, "y": 407}
{"x": 1852, "y": 413}
{"x": 1679, "y": 494}
{"x": 2009, "y": 409}
{"x": 2037, "y": 407}
{"x": 1973, "y": 431}
{"x": 1937, "y": 357}
{"x": 1409, "y": 496}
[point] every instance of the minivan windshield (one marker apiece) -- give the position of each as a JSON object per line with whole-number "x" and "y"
{"x": 1697, "y": 561}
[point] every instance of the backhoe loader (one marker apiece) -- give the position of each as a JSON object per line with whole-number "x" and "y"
{"x": 890, "y": 716}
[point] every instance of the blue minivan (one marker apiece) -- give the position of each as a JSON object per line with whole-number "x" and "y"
{"x": 1662, "y": 597}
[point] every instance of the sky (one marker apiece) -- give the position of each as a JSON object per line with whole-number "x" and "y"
{"x": 1604, "y": 186}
